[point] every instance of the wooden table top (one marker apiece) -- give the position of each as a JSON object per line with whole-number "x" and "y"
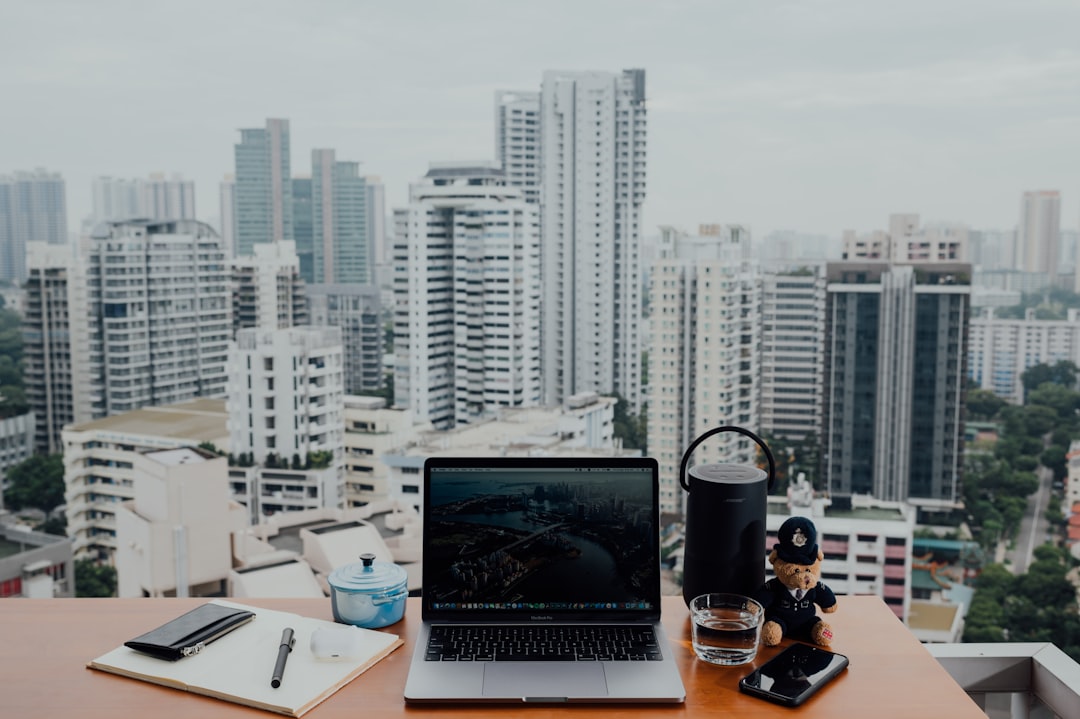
{"x": 46, "y": 643}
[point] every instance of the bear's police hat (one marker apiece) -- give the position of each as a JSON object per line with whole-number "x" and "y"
{"x": 797, "y": 541}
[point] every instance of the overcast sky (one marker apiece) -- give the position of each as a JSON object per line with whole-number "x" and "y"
{"x": 817, "y": 115}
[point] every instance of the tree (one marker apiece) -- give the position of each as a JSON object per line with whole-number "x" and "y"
{"x": 54, "y": 525}
{"x": 983, "y": 404}
{"x": 36, "y": 482}
{"x": 93, "y": 579}
{"x": 1039, "y": 420}
{"x": 210, "y": 447}
{"x": 1054, "y": 459}
{"x": 628, "y": 427}
{"x": 1063, "y": 372}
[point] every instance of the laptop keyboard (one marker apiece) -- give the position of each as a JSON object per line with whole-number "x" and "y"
{"x": 542, "y": 642}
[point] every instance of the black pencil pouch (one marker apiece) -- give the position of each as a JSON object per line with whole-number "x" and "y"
{"x": 189, "y": 633}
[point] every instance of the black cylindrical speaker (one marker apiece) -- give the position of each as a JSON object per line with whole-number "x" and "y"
{"x": 724, "y": 542}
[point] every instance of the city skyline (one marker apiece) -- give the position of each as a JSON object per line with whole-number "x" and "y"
{"x": 816, "y": 116}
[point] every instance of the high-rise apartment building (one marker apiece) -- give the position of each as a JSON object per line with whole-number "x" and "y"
{"x": 517, "y": 140}
{"x": 907, "y": 242}
{"x": 1038, "y": 234}
{"x": 704, "y": 367}
{"x": 286, "y": 394}
{"x": 341, "y": 250}
{"x": 267, "y": 290}
{"x": 592, "y": 144}
{"x": 158, "y": 310}
{"x": 357, "y": 311}
{"x": 33, "y": 208}
{"x": 467, "y": 297}
{"x": 792, "y": 351}
{"x": 895, "y": 347}
{"x": 263, "y": 186}
{"x": 55, "y": 343}
{"x": 1000, "y": 350}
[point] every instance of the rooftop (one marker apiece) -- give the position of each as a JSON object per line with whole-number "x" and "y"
{"x": 198, "y": 420}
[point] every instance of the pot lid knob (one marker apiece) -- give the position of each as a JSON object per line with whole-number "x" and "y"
{"x": 367, "y": 558}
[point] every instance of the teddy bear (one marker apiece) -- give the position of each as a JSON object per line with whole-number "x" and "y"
{"x": 790, "y": 597}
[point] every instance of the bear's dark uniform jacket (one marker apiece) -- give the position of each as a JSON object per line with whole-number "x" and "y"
{"x": 795, "y": 617}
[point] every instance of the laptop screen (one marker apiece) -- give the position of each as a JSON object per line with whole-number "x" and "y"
{"x": 520, "y": 535}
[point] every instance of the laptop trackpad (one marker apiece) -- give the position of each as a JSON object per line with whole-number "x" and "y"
{"x": 540, "y": 681}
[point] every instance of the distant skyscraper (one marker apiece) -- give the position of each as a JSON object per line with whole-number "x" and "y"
{"x": 159, "y": 331}
{"x": 592, "y": 188}
{"x": 706, "y": 320}
{"x": 375, "y": 214}
{"x": 895, "y": 344}
{"x": 263, "y": 186}
{"x": 341, "y": 249}
{"x": 33, "y": 208}
{"x": 169, "y": 198}
{"x": 1039, "y": 232}
{"x": 792, "y": 352}
{"x": 227, "y": 199}
{"x": 517, "y": 140}
{"x": 467, "y": 291}
{"x": 303, "y": 219}
{"x": 115, "y": 198}
{"x": 155, "y": 198}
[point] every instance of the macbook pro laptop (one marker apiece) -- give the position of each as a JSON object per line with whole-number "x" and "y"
{"x": 541, "y": 583}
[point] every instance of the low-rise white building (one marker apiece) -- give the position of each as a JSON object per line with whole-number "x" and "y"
{"x": 99, "y": 463}
{"x": 173, "y": 538}
{"x": 371, "y": 430}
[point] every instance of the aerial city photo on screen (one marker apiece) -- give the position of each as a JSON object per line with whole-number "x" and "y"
{"x": 521, "y": 540}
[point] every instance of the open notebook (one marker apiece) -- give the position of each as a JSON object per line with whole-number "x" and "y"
{"x": 238, "y": 666}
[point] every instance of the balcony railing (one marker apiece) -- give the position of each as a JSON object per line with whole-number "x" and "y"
{"x": 1014, "y": 680}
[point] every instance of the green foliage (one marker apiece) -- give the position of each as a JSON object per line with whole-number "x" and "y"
{"x": 36, "y": 482}
{"x": 1053, "y": 457}
{"x": 11, "y": 343}
{"x": 1039, "y": 606}
{"x": 983, "y": 404}
{"x": 628, "y": 427}
{"x": 12, "y": 396}
{"x": 210, "y": 447}
{"x": 1063, "y": 373}
{"x": 93, "y": 579}
{"x": 54, "y": 525}
{"x": 1039, "y": 420}
{"x": 319, "y": 459}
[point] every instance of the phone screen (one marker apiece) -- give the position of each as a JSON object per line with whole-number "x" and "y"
{"x": 793, "y": 674}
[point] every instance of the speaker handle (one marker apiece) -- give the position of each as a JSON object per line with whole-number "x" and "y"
{"x": 718, "y": 430}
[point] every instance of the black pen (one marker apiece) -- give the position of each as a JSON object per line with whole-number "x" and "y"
{"x": 287, "y": 641}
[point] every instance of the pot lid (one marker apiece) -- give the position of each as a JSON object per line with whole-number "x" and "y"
{"x": 367, "y": 575}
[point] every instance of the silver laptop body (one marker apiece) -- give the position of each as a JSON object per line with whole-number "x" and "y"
{"x": 568, "y": 545}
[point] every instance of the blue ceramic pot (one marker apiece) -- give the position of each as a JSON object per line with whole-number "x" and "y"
{"x": 368, "y": 593}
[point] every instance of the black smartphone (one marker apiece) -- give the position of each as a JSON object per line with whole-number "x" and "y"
{"x": 794, "y": 674}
